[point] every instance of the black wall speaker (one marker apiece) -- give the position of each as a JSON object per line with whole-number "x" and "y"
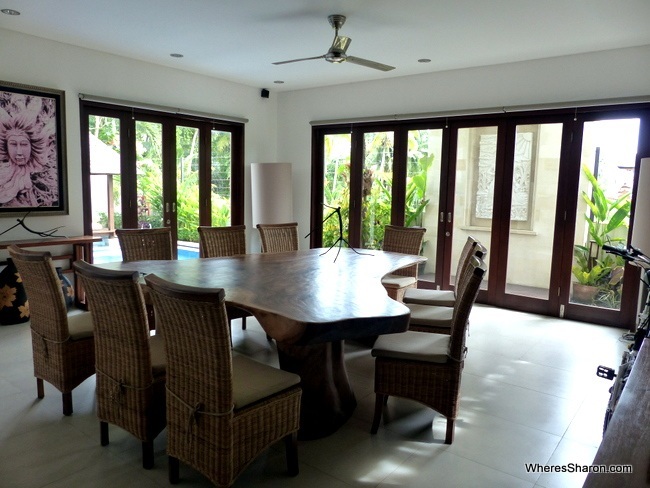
{"x": 265, "y": 93}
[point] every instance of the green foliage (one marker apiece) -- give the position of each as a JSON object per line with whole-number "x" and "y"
{"x": 584, "y": 272}
{"x": 605, "y": 220}
{"x": 606, "y": 215}
{"x": 376, "y": 190}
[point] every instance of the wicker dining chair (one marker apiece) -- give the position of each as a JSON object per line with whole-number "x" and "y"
{"x": 145, "y": 244}
{"x": 217, "y": 242}
{"x": 406, "y": 240}
{"x": 427, "y": 367}
{"x": 130, "y": 363}
{"x": 63, "y": 344}
{"x": 428, "y": 314}
{"x": 279, "y": 237}
{"x": 446, "y": 298}
{"x": 222, "y": 410}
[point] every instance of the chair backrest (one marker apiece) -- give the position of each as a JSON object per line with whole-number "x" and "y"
{"x": 464, "y": 258}
{"x": 279, "y": 237}
{"x": 216, "y": 242}
{"x": 463, "y": 306}
{"x": 406, "y": 240}
{"x": 197, "y": 340}
{"x": 145, "y": 244}
{"x": 116, "y": 303}
{"x": 47, "y": 308}
{"x": 476, "y": 249}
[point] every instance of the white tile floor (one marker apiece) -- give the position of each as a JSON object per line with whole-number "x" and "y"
{"x": 529, "y": 395}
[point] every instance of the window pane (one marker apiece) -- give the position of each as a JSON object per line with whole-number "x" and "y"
{"x": 221, "y": 164}
{"x": 532, "y": 212}
{"x": 105, "y": 180}
{"x": 474, "y": 194}
{"x": 423, "y": 191}
{"x": 149, "y": 174}
{"x": 187, "y": 190}
{"x": 377, "y": 188}
{"x": 336, "y": 187}
{"x": 608, "y": 157}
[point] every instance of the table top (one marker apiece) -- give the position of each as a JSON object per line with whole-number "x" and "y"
{"x": 50, "y": 241}
{"x": 299, "y": 297}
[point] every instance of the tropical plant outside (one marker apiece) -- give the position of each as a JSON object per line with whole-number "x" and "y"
{"x": 606, "y": 219}
{"x": 149, "y": 176}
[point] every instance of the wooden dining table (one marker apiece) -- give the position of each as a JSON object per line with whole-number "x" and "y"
{"x": 310, "y": 302}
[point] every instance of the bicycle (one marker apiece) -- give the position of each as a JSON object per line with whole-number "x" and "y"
{"x": 636, "y": 258}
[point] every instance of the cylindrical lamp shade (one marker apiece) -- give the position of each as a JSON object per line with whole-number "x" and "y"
{"x": 641, "y": 229}
{"x": 271, "y": 193}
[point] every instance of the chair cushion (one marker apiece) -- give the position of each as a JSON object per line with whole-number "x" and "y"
{"x": 397, "y": 281}
{"x": 421, "y": 296}
{"x": 254, "y": 381}
{"x": 158, "y": 355}
{"x": 430, "y": 315}
{"x": 414, "y": 346}
{"x": 80, "y": 325}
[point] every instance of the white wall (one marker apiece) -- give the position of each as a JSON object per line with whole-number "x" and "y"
{"x": 600, "y": 75}
{"x": 34, "y": 61}
{"x": 278, "y": 127}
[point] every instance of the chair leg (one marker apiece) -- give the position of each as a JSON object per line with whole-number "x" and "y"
{"x": 291, "y": 445}
{"x": 103, "y": 433}
{"x": 147, "y": 454}
{"x": 67, "y": 403}
{"x": 243, "y": 323}
{"x": 173, "y": 470}
{"x": 449, "y": 437}
{"x": 40, "y": 389}
{"x": 380, "y": 401}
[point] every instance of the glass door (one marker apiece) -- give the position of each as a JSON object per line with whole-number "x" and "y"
{"x": 473, "y": 197}
{"x": 377, "y": 187}
{"x": 608, "y": 157}
{"x": 422, "y": 193}
{"x": 146, "y": 170}
{"x": 535, "y": 166}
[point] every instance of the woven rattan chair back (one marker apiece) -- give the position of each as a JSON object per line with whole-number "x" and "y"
{"x": 465, "y": 270}
{"x": 62, "y": 359}
{"x": 216, "y": 242}
{"x": 463, "y": 305}
{"x": 406, "y": 240}
{"x": 279, "y": 237}
{"x": 204, "y": 430}
{"x": 145, "y": 244}
{"x": 128, "y": 395}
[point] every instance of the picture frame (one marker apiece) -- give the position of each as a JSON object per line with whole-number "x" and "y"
{"x": 33, "y": 165}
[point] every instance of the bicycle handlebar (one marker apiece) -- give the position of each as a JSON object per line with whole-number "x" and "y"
{"x": 630, "y": 254}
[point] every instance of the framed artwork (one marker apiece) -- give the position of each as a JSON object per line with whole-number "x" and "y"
{"x": 32, "y": 150}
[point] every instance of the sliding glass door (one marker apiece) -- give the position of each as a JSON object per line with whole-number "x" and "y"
{"x": 542, "y": 191}
{"x": 145, "y": 170}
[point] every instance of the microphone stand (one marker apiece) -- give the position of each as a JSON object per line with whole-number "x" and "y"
{"x": 337, "y": 211}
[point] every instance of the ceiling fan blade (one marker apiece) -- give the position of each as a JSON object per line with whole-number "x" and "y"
{"x": 369, "y": 64}
{"x": 300, "y": 59}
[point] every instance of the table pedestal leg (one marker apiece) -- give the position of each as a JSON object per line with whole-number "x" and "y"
{"x": 327, "y": 397}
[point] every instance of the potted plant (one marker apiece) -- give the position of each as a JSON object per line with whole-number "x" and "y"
{"x": 592, "y": 266}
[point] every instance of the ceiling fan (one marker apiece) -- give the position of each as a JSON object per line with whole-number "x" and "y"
{"x": 337, "y": 52}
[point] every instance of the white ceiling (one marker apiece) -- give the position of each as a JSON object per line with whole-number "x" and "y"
{"x": 238, "y": 40}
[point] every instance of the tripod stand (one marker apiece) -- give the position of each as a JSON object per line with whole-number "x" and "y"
{"x": 337, "y": 211}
